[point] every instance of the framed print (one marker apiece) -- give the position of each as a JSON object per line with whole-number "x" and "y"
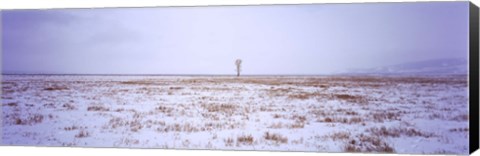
{"x": 329, "y": 78}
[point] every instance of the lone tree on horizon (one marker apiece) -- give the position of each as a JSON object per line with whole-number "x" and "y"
{"x": 238, "y": 64}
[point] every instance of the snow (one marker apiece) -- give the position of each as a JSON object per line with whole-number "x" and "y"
{"x": 306, "y": 113}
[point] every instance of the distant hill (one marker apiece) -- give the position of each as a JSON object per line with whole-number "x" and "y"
{"x": 427, "y": 67}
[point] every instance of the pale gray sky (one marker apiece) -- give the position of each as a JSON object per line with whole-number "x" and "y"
{"x": 278, "y": 39}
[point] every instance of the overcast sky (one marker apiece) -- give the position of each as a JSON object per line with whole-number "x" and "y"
{"x": 279, "y": 39}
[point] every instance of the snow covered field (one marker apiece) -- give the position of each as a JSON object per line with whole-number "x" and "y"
{"x": 303, "y": 113}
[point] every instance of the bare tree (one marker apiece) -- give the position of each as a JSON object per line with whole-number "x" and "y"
{"x": 238, "y": 64}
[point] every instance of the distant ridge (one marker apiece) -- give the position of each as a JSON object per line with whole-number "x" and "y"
{"x": 450, "y": 66}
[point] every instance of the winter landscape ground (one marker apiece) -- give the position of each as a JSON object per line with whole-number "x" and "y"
{"x": 399, "y": 114}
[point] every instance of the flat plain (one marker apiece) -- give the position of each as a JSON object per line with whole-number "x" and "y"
{"x": 384, "y": 114}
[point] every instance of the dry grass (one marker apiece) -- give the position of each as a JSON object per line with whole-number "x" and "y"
{"x": 443, "y": 152}
{"x": 385, "y": 116}
{"x": 212, "y": 125}
{"x": 355, "y": 120}
{"x": 139, "y": 82}
{"x": 53, "y": 88}
{"x": 463, "y": 117}
{"x": 215, "y": 107}
{"x": 297, "y": 125}
{"x": 115, "y": 123}
{"x": 82, "y": 134}
{"x": 7, "y": 91}
{"x": 276, "y": 116}
{"x": 459, "y": 130}
{"x": 302, "y": 96}
{"x": 300, "y": 121}
{"x": 274, "y": 92}
{"x": 187, "y": 127}
{"x": 265, "y": 81}
{"x": 12, "y": 104}
{"x": 340, "y": 136}
{"x": 351, "y": 148}
{"x": 30, "y": 120}
{"x": 320, "y": 112}
{"x": 278, "y": 138}
{"x": 71, "y": 128}
{"x": 300, "y": 118}
{"x": 135, "y": 125}
{"x": 363, "y": 143}
{"x": 351, "y": 98}
{"x": 98, "y": 108}
{"x": 346, "y": 112}
{"x": 228, "y": 142}
{"x": 277, "y": 125}
{"x": 328, "y": 119}
{"x": 163, "y": 109}
{"x": 266, "y": 109}
{"x": 344, "y": 120}
{"x": 129, "y": 141}
{"x": 176, "y": 88}
{"x": 398, "y": 132}
{"x": 69, "y": 106}
{"x": 245, "y": 139}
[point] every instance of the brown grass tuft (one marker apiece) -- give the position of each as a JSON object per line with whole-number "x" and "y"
{"x": 340, "y": 136}
{"x": 327, "y": 119}
{"x": 276, "y": 125}
{"x": 463, "y": 117}
{"x": 365, "y": 143}
{"x": 228, "y": 142}
{"x": 345, "y": 120}
{"x": 33, "y": 119}
{"x": 351, "y": 98}
{"x": 301, "y": 96}
{"x": 459, "y": 130}
{"x": 71, "y": 128}
{"x": 382, "y": 116}
{"x": 227, "y": 108}
{"x": 82, "y": 134}
{"x": 164, "y": 109}
{"x": 175, "y": 88}
{"x": 69, "y": 106}
{"x": 246, "y": 139}
{"x": 12, "y": 104}
{"x": 97, "y": 108}
{"x": 397, "y": 132}
{"x": 52, "y": 88}
{"x": 278, "y": 138}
